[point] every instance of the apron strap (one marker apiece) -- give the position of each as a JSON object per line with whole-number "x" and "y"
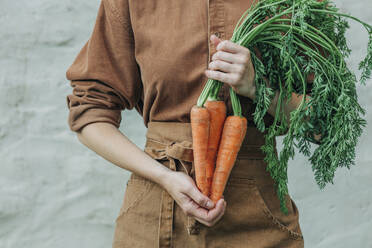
{"x": 181, "y": 151}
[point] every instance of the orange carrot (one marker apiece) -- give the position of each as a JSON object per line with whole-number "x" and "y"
{"x": 217, "y": 112}
{"x": 200, "y": 121}
{"x": 233, "y": 134}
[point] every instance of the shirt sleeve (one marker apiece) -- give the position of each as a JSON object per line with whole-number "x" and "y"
{"x": 105, "y": 76}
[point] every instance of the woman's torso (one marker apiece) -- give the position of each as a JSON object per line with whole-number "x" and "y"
{"x": 172, "y": 49}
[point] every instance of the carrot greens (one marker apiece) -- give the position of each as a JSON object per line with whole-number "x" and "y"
{"x": 298, "y": 38}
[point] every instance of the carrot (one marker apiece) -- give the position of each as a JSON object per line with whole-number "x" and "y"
{"x": 217, "y": 111}
{"x": 200, "y": 121}
{"x": 233, "y": 134}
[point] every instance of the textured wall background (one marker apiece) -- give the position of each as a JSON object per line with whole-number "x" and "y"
{"x": 54, "y": 192}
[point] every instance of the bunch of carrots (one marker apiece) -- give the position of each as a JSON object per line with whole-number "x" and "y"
{"x": 216, "y": 139}
{"x": 296, "y": 38}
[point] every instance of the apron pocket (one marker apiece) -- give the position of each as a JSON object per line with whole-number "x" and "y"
{"x": 289, "y": 223}
{"x": 248, "y": 215}
{"x": 244, "y": 221}
{"x": 136, "y": 190}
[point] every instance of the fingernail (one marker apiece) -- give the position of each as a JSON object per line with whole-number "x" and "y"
{"x": 209, "y": 204}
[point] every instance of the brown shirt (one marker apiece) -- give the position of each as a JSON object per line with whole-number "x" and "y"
{"x": 151, "y": 56}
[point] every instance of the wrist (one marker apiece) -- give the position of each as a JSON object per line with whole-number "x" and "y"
{"x": 162, "y": 174}
{"x": 252, "y": 92}
{"x": 248, "y": 89}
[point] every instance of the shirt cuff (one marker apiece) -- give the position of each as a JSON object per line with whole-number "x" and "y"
{"x": 82, "y": 115}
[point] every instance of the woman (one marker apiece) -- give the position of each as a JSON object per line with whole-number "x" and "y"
{"x": 155, "y": 56}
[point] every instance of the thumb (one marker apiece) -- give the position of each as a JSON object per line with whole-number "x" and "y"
{"x": 215, "y": 40}
{"x": 201, "y": 199}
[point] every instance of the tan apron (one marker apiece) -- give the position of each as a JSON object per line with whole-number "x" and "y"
{"x": 149, "y": 217}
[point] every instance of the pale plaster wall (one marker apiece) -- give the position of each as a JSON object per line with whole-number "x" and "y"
{"x": 54, "y": 192}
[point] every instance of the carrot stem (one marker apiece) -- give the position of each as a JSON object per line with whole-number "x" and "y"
{"x": 210, "y": 90}
{"x": 235, "y": 102}
{"x": 205, "y": 93}
{"x": 215, "y": 90}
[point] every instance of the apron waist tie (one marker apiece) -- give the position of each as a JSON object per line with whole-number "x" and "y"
{"x": 181, "y": 151}
{"x": 172, "y": 141}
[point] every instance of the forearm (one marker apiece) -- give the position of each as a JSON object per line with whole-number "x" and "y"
{"x": 108, "y": 142}
{"x": 293, "y": 104}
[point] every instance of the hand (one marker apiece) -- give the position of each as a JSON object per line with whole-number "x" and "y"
{"x": 193, "y": 203}
{"x": 232, "y": 64}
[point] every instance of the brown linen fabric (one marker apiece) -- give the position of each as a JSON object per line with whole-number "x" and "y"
{"x": 150, "y": 55}
{"x": 149, "y": 216}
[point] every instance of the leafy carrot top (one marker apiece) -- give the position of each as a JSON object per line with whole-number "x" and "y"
{"x": 297, "y": 38}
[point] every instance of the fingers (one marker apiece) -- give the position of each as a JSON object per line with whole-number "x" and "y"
{"x": 197, "y": 207}
{"x": 215, "y": 40}
{"x": 231, "y": 64}
{"x": 214, "y": 215}
{"x": 229, "y": 51}
{"x": 230, "y": 78}
{"x": 200, "y": 199}
{"x": 204, "y": 216}
{"x": 231, "y": 47}
{"x": 195, "y": 210}
{"x": 194, "y": 203}
{"x": 233, "y": 58}
{"x": 226, "y": 67}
